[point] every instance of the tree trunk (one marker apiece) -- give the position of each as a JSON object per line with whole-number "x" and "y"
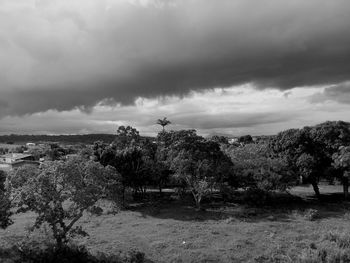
{"x": 346, "y": 187}
{"x": 316, "y": 189}
{"x": 197, "y": 200}
{"x": 59, "y": 242}
{"x": 123, "y": 197}
{"x": 198, "y": 204}
{"x": 160, "y": 189}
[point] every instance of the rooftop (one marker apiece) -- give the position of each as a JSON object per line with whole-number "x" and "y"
{"x": 15, "y": 156}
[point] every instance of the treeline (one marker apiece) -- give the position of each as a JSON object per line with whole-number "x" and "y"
{"x": 69, "y": 139}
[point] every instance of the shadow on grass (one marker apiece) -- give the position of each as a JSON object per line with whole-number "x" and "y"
{"x": 71, "y": 254}
{"x": 281, "y": 207}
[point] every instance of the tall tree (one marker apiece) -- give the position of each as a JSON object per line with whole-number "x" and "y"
{"x": 198, "y": 162}
{"x": 309, "y": 150}
{"x": 126, "y": 136}
{"x": 341, "y": 160}
{"x": 131, "y": 156}
{"x": 163, "y": 122}
{"x": 298, "y": 148}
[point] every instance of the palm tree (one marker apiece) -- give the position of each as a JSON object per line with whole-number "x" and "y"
{"x": 163, "y": 122}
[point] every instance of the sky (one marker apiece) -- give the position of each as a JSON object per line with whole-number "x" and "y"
{"x": 229, "y": 67}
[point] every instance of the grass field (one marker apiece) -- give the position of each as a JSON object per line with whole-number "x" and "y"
{"x": 174, "y": 232}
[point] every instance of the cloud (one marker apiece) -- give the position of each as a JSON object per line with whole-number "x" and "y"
{"x": 339, "y": 93}
{"x": 63, "y": 54}
{"x": 231, "y": 111}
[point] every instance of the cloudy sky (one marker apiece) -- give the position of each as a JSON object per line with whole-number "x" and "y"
{"x": 223, "y": 66}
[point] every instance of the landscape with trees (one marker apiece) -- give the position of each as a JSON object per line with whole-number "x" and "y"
{"x": 182, "y": 178}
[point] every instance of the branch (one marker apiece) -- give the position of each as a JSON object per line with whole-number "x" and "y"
{"x": 74, "y": 220}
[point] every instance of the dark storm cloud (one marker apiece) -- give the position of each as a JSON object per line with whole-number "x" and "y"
{"x": 61, "y": 55}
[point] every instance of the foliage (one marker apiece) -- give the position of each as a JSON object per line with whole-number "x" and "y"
{"x": 198, "y": 162}
{"x": 59, "y": 192}
{"x": 311, "y": 214}
{"x": 134, "y": 159}
{"x": 5, "y": 204}
{"x": 300, "y": 150}
{"x": 133, "y": 163}
{"x": 307, "y": 165}
{"x": 245, "y": 139}
{"x": 255, "y": 167}
{"x": 341, "y": 159}
{"x": 126, "y": 136}
{"x": 219, "y": 139}
{"x": 341, "y": 162}
{"x": 5, "y": 213}
{"x": 309, "y": 150}
{"x": 163, "y": 122}
{"x": 32, "y": 253}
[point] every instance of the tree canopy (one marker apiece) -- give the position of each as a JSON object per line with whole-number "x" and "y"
{"x": 60, "y": 191}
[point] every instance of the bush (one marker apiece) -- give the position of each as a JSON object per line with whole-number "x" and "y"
{"x": 67, "y": 254}
{"x": 311, "y": 214}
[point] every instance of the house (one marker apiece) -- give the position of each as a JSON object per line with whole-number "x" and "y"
{"x": 233, "y": 140}
{"x": 11, "y": 161}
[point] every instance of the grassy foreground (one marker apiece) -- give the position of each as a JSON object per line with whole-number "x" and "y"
{"x": 174, "y": 232}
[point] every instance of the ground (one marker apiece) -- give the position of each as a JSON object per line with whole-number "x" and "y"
{"x": 231, "y": 232}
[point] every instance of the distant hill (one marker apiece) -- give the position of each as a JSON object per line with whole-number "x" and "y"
{"x": 67, "y": 139}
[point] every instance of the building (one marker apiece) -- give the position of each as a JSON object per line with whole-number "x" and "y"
{"x": 233, "y": 140}
{"x": 14, "y": 160}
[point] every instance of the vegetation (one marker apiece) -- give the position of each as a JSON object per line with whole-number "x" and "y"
{"x": 198, "y": 162}
{"x": 240, "y": 183}
{"x": 5, "y": 204}
{"x": 59, "y": 193}
{"x": 341, "y": 161}
{"x": 309, "y": 151}
{"x": 163, "y": 122}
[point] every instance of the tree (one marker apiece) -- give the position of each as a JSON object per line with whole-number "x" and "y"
{"x": 60, "y": 191}
{"x": 328, "y": 137}
{"x": 219, "y": 139}
{"x": 198, "y": 162}
{"x": 126, "y": 136}
{"x": 133, "y": 158}
{"x": 297, "y": 147}
{"x": 245, "y": 139}
{"x": 163, "y": 122}
{"x": 307, "y": 167}
{"x": 309, "y": 150}
{"x": 5, "y": 204}
{"x": 341, "y": 160}
{"x": 256, "y": 168}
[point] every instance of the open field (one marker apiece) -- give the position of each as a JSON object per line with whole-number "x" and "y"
{"x": 174, "y": 232}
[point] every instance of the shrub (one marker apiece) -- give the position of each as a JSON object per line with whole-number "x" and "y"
{"x": 311, "y": 214}
{"x": 31, "y": 253}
